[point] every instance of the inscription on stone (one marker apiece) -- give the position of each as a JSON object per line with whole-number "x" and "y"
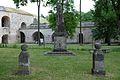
{"x": 98, "y": 61}
{"x": 59, "y": 43}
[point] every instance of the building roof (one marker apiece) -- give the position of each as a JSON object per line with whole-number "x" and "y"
{"x": 46, "y": 26}
{"x": 87, "y": 24}
{"x": 13, "y": 10}
{"x": 42, "y": 26}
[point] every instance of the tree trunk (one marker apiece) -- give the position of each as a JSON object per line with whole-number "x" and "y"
{"x": 108, "y": 40}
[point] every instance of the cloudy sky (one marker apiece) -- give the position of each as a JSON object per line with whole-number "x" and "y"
{"x": 32, "y": 7}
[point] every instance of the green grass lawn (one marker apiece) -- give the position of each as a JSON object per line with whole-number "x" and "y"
{"x": 58, "y": 67}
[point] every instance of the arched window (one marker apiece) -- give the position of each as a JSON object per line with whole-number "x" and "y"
{"x": 35, "y": 37}
{"x": 5, "y": 21}
{"x": 23, "y": 25}
{"x": 5, "y": 39}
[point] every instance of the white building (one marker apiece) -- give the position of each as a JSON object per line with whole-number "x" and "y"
{"x": 30, "y": 34}
{"x": 16, "y": 26}
{"x": 11, "y": 20}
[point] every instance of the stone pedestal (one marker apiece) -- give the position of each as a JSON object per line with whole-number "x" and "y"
{"x": 60, "y": 34}
{"x": 98, "y": 61}
{"x": 23, "y": 61}
{"x": 60, "y": 46}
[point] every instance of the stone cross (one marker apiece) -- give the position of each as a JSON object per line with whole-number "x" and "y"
{"x": 98, "y": 61}
{"x": 23, "y": 61}
{"x": 60, "y": 18}
{"x": 60, "y": 35}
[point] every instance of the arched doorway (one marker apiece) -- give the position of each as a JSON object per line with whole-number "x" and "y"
{"x": 22, "y": 37}
{"x": 5, "y": 39}
{"x": 23, "y": 25}
{"x": 5, "y": 21}
{"x": 35, "y": 37}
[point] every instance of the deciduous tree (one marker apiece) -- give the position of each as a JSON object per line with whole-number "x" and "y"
{"x": 106, "y": 20}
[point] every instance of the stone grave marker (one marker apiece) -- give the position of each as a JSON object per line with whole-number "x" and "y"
{"x": 98, "y": 60}
{"x": 23, "y": 61}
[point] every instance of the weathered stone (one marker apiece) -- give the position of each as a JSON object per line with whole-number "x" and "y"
{"x": 23, "y": 61}
{"x": 60, "y": 36}
{"x": 98, "y": 61}
{"x": 59, "y": 43}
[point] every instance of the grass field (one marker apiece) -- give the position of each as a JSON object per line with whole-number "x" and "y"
{"x": 58, "y": 67}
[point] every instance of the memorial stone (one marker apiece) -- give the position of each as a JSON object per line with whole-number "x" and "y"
{"x": 23, "y": 61}
{"x": 98, "y": 61}
{"x": 60, "y": 35}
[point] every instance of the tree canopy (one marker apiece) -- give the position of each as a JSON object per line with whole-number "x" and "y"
{"x": 71, "y": 17}
{"x": 106, "y": 20}
{"x": 88, "y": 16}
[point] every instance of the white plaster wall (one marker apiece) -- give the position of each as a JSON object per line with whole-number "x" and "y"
{"x": 15, "y": 23}
{"x": 75, "y": 38}
{"x": 87, "y": 35}
{"x": 47, "y": 33}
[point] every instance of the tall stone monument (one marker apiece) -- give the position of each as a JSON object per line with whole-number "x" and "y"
{"x": 98, "y": 61}
{"x": 60, "y": 35}
{"x": 23, "y": 61}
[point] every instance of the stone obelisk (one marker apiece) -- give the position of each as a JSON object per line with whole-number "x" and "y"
{"x": 60, "y": 35}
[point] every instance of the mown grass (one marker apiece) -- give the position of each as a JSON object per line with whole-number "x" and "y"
{"x": 58, "y": 67}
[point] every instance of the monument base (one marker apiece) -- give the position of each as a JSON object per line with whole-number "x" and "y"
{"x": 23, "y": 71}
{"x": 98, "y": 72}
{"x": 59, "y": 53}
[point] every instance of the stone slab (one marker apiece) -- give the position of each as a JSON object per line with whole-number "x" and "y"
{"x": 65, "y": 53}
{"x": 23, "y": 71}
{"x": 98, "y": 72}
{"x": 60, "y": 42}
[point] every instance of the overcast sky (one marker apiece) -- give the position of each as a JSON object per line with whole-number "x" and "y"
{"x": 32, "y": 7}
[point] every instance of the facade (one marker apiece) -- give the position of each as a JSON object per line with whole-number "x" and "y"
{"x": 46, "y": 34}
{"x": 86, "y": 28}
{"x": 17, "y": 26}
{"x": 31, "y": 33}
{"x": 11, "y": 21}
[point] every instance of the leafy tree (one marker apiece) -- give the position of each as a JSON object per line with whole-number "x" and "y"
{"x": 66, "y": 4}
{"x": 87, "y": 16}
{"x": 105, "y": 21}
{"x": 70, "y": 15}
{"x": 114, "y": 4}
{"x": 20, "y": 2}
{"x": 70, "y": 22}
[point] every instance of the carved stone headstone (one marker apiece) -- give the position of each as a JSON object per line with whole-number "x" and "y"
{"x": 60, "y": 35}
{"x": 23, "y": 61}
{"x": 98, "y": 61}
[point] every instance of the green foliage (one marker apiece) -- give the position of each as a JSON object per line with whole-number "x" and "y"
{"x": 87, "y": 16}
{"x": 23, "y": 2}
{"x": 20, "y": 2}
{"x": 52, "y": 20}
{"x": 105, "y": 21}
{"x": 70, "y": 22}
{"x": 67, "y": 5}
{"x": 70, "y": 15}
{"x": 15, "y": 46}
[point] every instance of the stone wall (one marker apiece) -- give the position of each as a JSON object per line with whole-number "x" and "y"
{"x": 15, "y": 24}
